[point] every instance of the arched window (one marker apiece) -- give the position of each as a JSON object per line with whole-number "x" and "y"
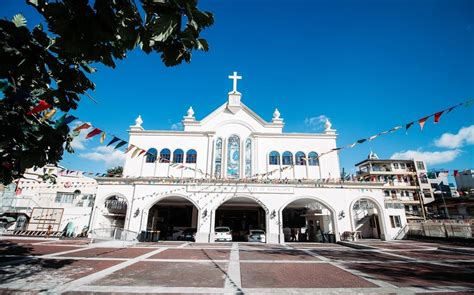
{"x": 218, "y": 158}
{"x": 313, "y": 159}
{"x": 165, "y": 156}
{"x": 300, "y": 158}
{"x": 248, "y": 157}
{"x": 287, "y": 158}
{"x": 191, "y": 156}
{"x": 274, "y": 158}
{"x": 178, "y": 156}
{"x": 151, "y": 155}
{"x": 233, "y": 157}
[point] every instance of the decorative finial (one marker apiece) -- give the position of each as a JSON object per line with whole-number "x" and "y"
{"x": 138, "y": 121}
{"x": 327, "y": 125}
{"x": 235, "y": 78}
{"x": 276, "y": 114}
{"x": 190, "y": 113}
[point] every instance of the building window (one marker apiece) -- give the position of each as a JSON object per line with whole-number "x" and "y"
{"x": 300, "y": 158}
{"x": 395, "y": 166}
{"x": 423, "y": 178}
{"x": 402, "y": 165}
{"x": 427, "y": 193}
{"x": 313, "y": 159}
{"x": 233, "y": 157}
{"x": 218, "y": 158}
{"x": 274, "y": 158}
{"x": 287, "y": 158}
{"x": 165, "y": 156}
{"x": 151, "y": 155}
{"x": 420, "y": 165}
{"x": 387, "y": 193}
{"x": 248, "y": 158}
{"x": 178, "y": 156}
{"x": 64, "y": 198}
{"x": 191, "y": 156}
{"x": 395, "y": 221}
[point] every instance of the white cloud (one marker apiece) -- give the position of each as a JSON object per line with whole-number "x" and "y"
{"x": 78, "y": 143}
{"x": 430, "y": 158}
{"x": 465, "y": 136}
{"x": 315, "y": 122}
{"x": 106, "y": 154}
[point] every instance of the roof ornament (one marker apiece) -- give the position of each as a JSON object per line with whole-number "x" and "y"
{"x": 138, "y": 121}
{"x": 190, "y": 113}
{"x": 327, "y": 125}
{"x": 276, "y": 114}
{"x": 234, "y": 77}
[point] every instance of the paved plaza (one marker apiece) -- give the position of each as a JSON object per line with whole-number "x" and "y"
{"x": 76, "y": 267}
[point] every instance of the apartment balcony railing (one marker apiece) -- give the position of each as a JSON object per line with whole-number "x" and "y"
{"x": 116, "y": 207}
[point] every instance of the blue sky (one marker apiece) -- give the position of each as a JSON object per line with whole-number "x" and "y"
{"x": 367, "y": 65}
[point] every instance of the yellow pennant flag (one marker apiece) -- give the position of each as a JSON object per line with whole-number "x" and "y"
{"x": 48, "y": 115}
{"x": 135, "y": 152}
{"x": 102, "y": 137}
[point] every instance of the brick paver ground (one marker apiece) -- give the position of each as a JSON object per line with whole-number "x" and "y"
{"x": 77, "y": 267}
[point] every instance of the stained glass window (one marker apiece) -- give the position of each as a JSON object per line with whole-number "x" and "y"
{"x": 248, "y": 158}
{"x": 218, "y": 158}
{"x": 233, "y": 157}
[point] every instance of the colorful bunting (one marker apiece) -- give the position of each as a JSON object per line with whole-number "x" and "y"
{"x": 422, "y": 122}
{"x": 102, "y": 137}
{"x": 69, "y": 119}
{"x": 135, "y": 152}
{"x": 130, "y": 147}
{"x": 82, "y": 126}
{"x": 41, "y": 106}
{"x": 120, "y": 144}
{"x": 437, "y": 116}
{"x": 114, "y": 140}
{"x": 49, "y": 114}
{"x": 407, "y": 126}
{"x": 94, "y": 132}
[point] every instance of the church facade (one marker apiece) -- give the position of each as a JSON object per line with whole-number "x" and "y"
{"x": 232, "y": 168}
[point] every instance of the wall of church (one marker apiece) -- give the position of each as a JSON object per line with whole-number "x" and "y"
{"x": 273, "y": 199}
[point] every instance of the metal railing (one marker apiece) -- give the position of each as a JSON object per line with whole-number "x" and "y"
{"x": 113, "y": 233}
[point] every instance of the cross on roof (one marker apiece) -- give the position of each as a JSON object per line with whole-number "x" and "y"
{"x": 235, "y": 78}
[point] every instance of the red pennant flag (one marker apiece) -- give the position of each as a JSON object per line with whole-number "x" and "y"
{"x": 437, "y": 116}
{"x": 456, "y": 173}
{"x": 93, "y": 133}
{"x": 42, "y": 105}
{"x": 83, "y": 126}
{"x": 422, "y": 122}
{"x": 143, "y": 151}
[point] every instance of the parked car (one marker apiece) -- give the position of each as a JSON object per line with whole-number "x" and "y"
{"x": 222, "y": 233}
{"x": 188, "y": 234}
{"x": 256, "y": 235}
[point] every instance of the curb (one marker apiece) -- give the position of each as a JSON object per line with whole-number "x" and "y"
{"x": 355, "y": 245}
{"x": 457, "y": 250}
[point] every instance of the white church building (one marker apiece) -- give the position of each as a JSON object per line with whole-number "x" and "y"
{"x": 233, "y": 168}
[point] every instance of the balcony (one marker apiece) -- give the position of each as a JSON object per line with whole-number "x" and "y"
{"x": 116, "y": 207}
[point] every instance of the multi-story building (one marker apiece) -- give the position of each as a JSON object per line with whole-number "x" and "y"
{"x": 465, "y": 181}
{"x": 36, "y": 204}
{"x": 405, "y": 183}
{"x": 233, "y": 168}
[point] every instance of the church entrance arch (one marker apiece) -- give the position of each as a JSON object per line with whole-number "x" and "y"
{"x": 366, "y": 219}
{"x": 308, "y": 219}
{"x": 241, "y": 214}
{"x": 172, "y": 218}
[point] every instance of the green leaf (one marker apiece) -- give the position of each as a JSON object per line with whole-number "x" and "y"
{"x": 19, "y": 20}
{"x": 3, "y": 85}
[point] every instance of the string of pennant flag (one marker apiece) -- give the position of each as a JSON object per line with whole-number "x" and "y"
{"x": 117, "y": 143}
